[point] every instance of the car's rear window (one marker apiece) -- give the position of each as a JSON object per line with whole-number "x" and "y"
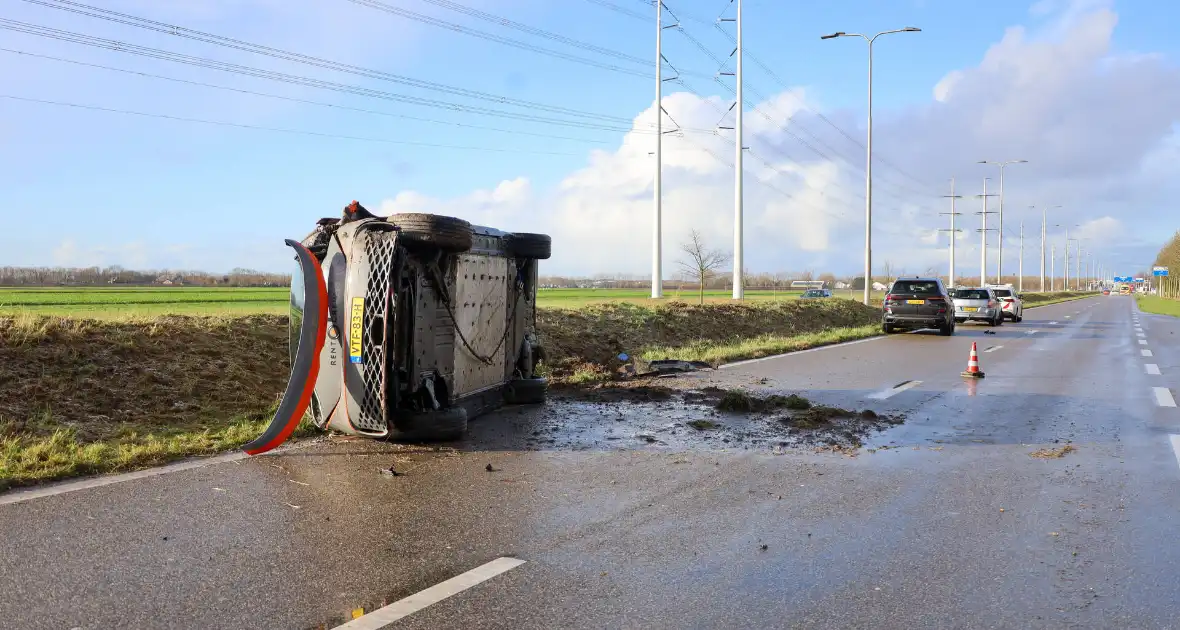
{"x": 970, "y": 294}
{"x": 1003, "y": 292}
{"x": 915, "y": 287}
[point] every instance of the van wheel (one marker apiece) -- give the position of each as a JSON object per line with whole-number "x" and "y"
{"x": 526, "y": 391}
{"x": 442, "y": 425}
{"x": 946, "y": 330}
{"x": 525, "y": 245}
{"x": 887, "y": 329}
{"x": 449, "y": 234}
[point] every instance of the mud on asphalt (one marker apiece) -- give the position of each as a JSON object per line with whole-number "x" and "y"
{"x": 676, "y": 414}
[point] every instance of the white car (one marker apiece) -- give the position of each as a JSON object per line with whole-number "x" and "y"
{"x": 1011, "y": 304}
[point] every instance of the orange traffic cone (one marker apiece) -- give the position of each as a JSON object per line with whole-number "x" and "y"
{"x": 973, "y": 370}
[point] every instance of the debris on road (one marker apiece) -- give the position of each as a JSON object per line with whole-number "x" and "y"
{"x": 1053, "y": 453}
{"x": 491, "y": 468}
{"x": 391, "y": 472}
{"x": 703, "y": 425}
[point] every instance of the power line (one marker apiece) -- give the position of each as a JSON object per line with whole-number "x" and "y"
{"x": 301, "y": 132}
{"x": 612, "y": 123}
{"x": 532, "y": 30}
{"x": 617, "y": 9}
{"x": 229, "y": 42}
{"x": 300, "y": 100}
{"x": 458, "y": 28}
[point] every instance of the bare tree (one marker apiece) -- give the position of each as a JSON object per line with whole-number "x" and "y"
{"x": 887, "y": 269}
{"x": 702, "y": 262}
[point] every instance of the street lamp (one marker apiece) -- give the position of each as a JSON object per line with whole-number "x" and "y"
{"x": 869, "y": 153}
{"x": 1000, "y": 262}
{"x": 1044, "y": 225}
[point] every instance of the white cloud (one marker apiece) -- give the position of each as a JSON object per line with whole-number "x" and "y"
{"x": 1092, "y": 124}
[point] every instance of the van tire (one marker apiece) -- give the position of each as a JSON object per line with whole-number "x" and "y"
{"x": 526, "y": 391}
{"x": 526, "y": 245}
{"x": 441, "y": 425}
{"x": 450, "y": 234}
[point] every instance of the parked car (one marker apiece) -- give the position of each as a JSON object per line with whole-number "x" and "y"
{"x": 816, "y": 293}
{"x": 916, "y": 303}
{"x": 1011, "y": 305}
{"x": 977, "y": 304}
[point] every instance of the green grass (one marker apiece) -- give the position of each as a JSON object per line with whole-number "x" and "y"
{"x": 119, "y": 303}
{"x": 574, "y": 298}
{"x": 48, "y": 450}
{"x": 718, "y": 353}
{"x": 1158, "y": 305}
{"x": 1033, "y": 300}
{"x": 132, "y": 302}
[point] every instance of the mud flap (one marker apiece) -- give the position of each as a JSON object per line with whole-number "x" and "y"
{"x": 309, "y": 301}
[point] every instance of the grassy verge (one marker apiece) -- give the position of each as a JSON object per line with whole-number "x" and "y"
{"x": 88, "y": 396}
{"x": 718, "y": 353}
{"x": 585, "y": 344}
{"x": 85, "y": 396}
{"x": 1158, "y": 305}
{"x": 57, "y": 450}
{"x": 1033, "y": 300}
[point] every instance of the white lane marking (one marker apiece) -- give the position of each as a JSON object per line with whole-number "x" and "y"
{"x": 1176, "y": 446}
{"x": 97, "y": 482}
{"x": 1152, "y": 369}
{"x": 404, "y": 607}
{"x": 893, "y": 391}
{"x": 106, "y": 480}
{"x": 1143, "y": 342}
{"x": 1052, "y": 323}
{"x": 1068, "y": 316}
{"x": 993, "y": 348}
{"x": 1163, "y": 397}
{"x": 787, "y": 354}
{"x": 1140, "y": 335}
{"x": 1145, "y": 353}
{"x": 1029, "y": 332}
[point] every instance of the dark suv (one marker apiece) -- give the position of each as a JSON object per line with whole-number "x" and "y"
{"x": 915, "y": 303}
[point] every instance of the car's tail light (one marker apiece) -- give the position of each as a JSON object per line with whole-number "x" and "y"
{"x": 991, "y": 303}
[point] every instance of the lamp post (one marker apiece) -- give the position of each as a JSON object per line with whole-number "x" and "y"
{"x": 1000, "y": 262}
{"x": 869, "y": 153}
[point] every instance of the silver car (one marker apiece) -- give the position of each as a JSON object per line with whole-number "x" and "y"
{"x": 977, "y": 304}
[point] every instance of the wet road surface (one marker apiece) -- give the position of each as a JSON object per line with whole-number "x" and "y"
{"x": 626, "y": 517}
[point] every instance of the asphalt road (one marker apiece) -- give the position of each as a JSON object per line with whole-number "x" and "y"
{"x": 945, "y": 521}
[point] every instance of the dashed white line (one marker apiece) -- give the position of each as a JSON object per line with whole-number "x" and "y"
{"x": 993, "y": 348}
{"x": 1052, "y": 323}
{"x": 1163, "y": 397}
{"x": 897, "y": 389}
{"x": 1140, "y": 334}
{"x": 1143, "y": 342}
{"x": 1145, "y": 353}
{"x": 1152, "y": 369}
{"x": 1030, "y": 332}
{"x": 1176, "y": 446}
{"x": 402, "y": 608}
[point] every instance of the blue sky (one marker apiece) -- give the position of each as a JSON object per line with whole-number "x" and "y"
{"x": 104, "y": 188}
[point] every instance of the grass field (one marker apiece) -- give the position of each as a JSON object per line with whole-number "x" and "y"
{"x": 135, "y": 302}
{"x": 1158, "y": 305}
{"x": 140, "y": 302}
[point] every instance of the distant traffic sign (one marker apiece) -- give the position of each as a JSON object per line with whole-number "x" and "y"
{"x": 1159, "y": 271}
{"x": 1139, "y": 280}
{"x": 1122, "y": 278}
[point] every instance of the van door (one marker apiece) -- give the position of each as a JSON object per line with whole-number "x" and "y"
{"x": 308, "y": 327}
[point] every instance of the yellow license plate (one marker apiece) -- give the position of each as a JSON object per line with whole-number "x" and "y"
{"x": 971, "y": 309}
{"x": 356, "y": 329}
{"x": 915, "y": 301}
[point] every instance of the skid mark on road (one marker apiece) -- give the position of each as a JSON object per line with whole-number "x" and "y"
{"x": 1152, "y": 369}
{"x": 1163, "y": 397}
{"x": 404, "y": 607}
{"x": 993, "y": 348}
